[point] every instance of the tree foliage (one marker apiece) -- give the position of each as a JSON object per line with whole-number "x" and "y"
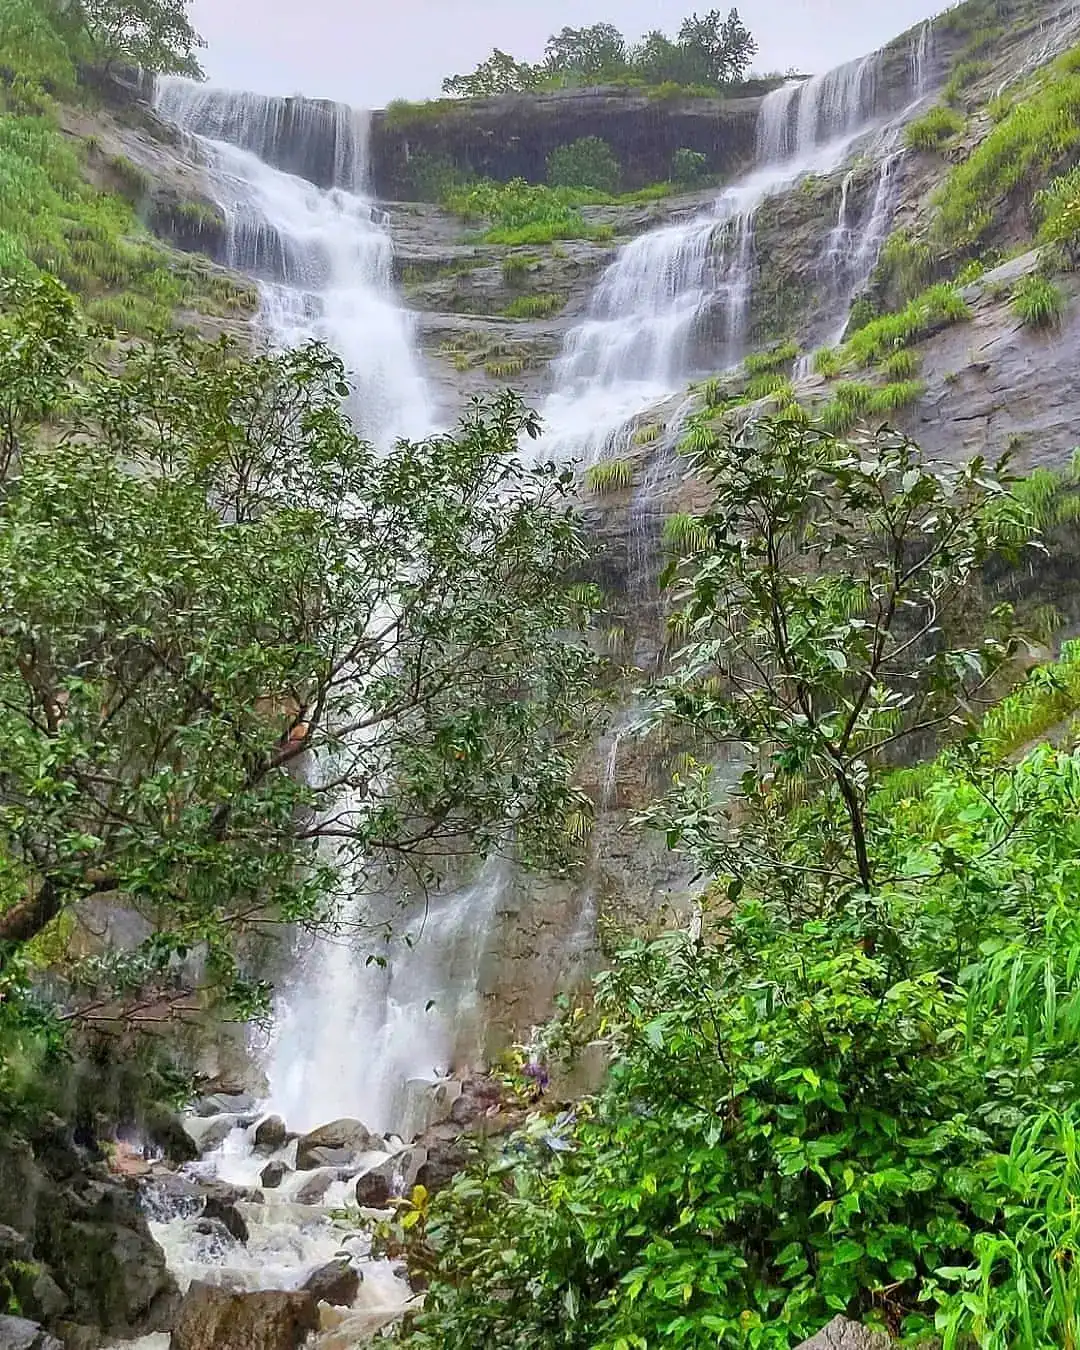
{"x": 711, "y": 49}
{"x": 231, "y": 632}
{"x": 850, "y": 1087}
{"x": 586, "y": 163}
{"x": 154, "y": 35}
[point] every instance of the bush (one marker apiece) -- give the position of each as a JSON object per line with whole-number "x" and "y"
{"x": 586, "y": 163}
{"x": 1037, "y": 302}
{"x": 521, "y": 213}
{"x": 933, "y": 129}
{"x": 688, "y": 167}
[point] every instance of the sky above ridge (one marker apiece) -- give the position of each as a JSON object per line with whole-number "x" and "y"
{"x": 367, "y": 52}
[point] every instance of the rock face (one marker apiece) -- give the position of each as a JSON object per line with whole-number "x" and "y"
{"x": 95, "y": 1263}
{"x": 271, "y": 1134}
{"x": 334, "y": 1145}
{"x": 219, "y": 1319}
{"x": 513, "y": 135}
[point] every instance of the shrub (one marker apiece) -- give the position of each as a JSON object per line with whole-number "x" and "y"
{"x": 778, "y": 358}
{"x": 827, "y": 362}
{"x": 586, "y": 163}
{"x": 520, "y": 213}
{"x": 688, "y": 167}
{"x": 1037, "y": 302}
{"x": 901, "y": 365}
{"x": 933, "y": 129}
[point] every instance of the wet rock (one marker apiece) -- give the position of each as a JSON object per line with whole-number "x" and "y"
{"x": 210, "y": 1132}
{"x": 843, "y": 1334}
{"x": 227, "y": 1214}
{"x": 479, "y": 1098}
{"x": 220, "y": 1239}
{"x": 313, "y": 1191}
{"x": 226, "y": 1104}
{"x": 165, "y": 1132}
{"x": 337, "y": 1284}
{"x": 342, "y": 1138}
{"x": 16, "y": 1333}
{"x": 220, "y": 1319}
{"x": 273, "y": 1174}
{"x": 445, "y": 1159}
{"x": 271, "y": 1134}
{"x": 169, "y": 1196}
{"x": 375, "y": 1187}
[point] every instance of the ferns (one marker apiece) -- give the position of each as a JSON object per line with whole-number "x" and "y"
{"x": 1037, "y": 302}
{"x": 609, "y": 475}
{"x": 765, "y": 386}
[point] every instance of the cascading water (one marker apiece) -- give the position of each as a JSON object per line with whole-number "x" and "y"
{"x": 322, "y": 256}
{"x": 351, "y": 1033}
{"x": 637, "y": 344}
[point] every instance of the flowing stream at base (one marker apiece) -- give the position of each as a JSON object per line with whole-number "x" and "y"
{"x": 373, "y": 1018}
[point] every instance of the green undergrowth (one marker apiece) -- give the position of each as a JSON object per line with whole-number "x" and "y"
{"x": 541, "y": 305}
{"x": 934, "y": 128}
{"x": 879, "y": 340}
{"x": 520, "y": 213}
{"x": 854, "y": 400}
{"x": 1033, "y": 139}
{"x": 1037, "y": 301}
{"x": 609, "y": 475}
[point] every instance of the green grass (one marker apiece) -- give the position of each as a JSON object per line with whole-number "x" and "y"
{"x": 935, "y": 308}
{"x": 1033, "y": 139}
{"x": 1050, "y": 695}
{"x": 964, "y": 73}
{"x": 539, "y": 306}
{"x": 520, "y": 213}
{"x": 901, "y": 365}
{"x": 778, "y": 358}
{"x": 890, "y": 398}
{"x": 932, "y": 130}
{"x": 1037, "y": 302}
{"x": 906, "y": 265}
{"x": 853, "y": 399}
{"x": 517, "y": 266}
{"x": 767, "y": 385}
{"x": 1057, "y": 208}
{"x": 827, "y": 362}
{"x": 610, "y": 475}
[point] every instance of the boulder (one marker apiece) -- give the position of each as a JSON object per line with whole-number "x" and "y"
{"x": 167, "y": 1195}
{"x": 340, "y": 1137}
{"x": 341, "y": 1159}
{"x": 271, "y": 1134}
{"x": 227, "y": 1214}
{"x": 220, "y": 1239}
{"x": 165, "y": 1132}
{"x": 375, "y": 1187}
{"x": 273, "y": 1174}
{"x": 221, "y": 1319}
{"x": 337, "y": 1284}
{"x": 445, "y": 1159}
{"x": 843, "y": 1334}
{"x": 226, "y": 1104}
{"x": 314, "y": 1189}
{"x": 210, "y": 1132}
{"x": 16, "y": 1333}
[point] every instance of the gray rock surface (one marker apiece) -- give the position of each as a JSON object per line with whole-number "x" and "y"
{"x": 228, "y": 1215}
{"x": 271, "y": 1134}
{"x": 334, "y": 1144}
{"x": 16, "y": 1333}
{"x": 843, "y": 1334}
{"x": 273, "y": 1174}
{"x": 219, "y": 1319}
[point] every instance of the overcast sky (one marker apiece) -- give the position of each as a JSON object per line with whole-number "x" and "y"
{"x": 366, "y": 52}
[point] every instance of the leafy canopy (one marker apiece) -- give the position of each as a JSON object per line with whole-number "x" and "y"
{"x": 230, "y": 631}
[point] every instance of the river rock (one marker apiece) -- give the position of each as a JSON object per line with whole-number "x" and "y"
{"x": 16, "y": 1333}
{"x": 445, "y": 1159}
{"x": 337, "y": 1284}
{"x": 221, "y": 1319}
{"x": 273, "y": 1174}
{"x": 344, "y": 1139}
{"x": 210, "y": 1132}
{"x": 271, "y": 1134}
{"x": 843, "y": 1334}
{"x": 375, "y": 1187}
{"x": 165, "y": 1131}
{"x": 228, "y": 1215}
{"x": 314, "y": 1189}
{"x": 226, "y": 1104}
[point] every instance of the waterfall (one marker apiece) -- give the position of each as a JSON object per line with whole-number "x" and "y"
{"x": 689, "y": 286}
{"x": 322, "y": 255}
{"x": 921, "y": 52}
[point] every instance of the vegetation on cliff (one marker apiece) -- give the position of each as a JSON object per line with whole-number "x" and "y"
{"x": 851, "y": 1086}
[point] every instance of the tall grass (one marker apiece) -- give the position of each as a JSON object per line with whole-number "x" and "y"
{"x": 936, "y": 308}
{"x": 1037, "y": 302}
{"x": 1032, "y": 139}
{"x": 934, "y": 128}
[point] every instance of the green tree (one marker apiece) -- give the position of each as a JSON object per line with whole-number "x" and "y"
{"x": 230, "y": 631}
{"x": 586, "y": 163}
{"x": 689, "y": 166}
{"x": 499, "y": 74}
{"x": 155, "y": 35}
{"x": 586, "y": 54}
{"x": 724, "y": 46}
{"x": 826, "y": 602}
